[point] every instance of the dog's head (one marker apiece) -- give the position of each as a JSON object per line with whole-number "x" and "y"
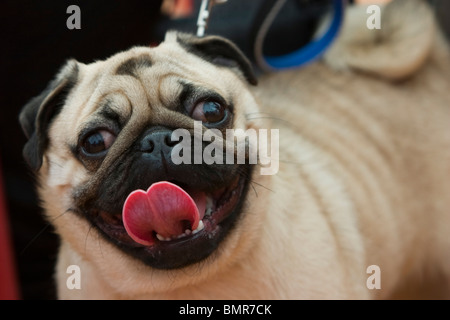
{"x": 101, "y": 134}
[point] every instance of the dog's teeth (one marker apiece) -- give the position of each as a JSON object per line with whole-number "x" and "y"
{"x": 209, "y": 205}
{"x": 199, "y": 228}
{"x": 160, "y": 237}
{"x": 184, "y": 234}
{"x": 209, "y": 202}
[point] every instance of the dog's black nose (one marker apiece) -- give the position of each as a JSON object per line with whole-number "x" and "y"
{"x": 157, "y": 141}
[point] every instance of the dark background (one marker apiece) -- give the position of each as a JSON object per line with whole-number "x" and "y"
{"x": 36, "y": 42}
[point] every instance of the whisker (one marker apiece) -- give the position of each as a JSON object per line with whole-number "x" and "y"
{"x": 56, "y": 163}
{"x": 260, "y": 185}
{"x": 244, "y": 173}
{"x": 87, "y": 236}
{"x": 272, "y": 118}
{"x": 254, "y": 189}
{"x": 49, "y": 224}
{"x": 286, "y": 161}
{"x": 257, "y": 112}
{"x": 100, "y": 245}
{"x": 34, "y": 238}
{"x": 267, "y": 115}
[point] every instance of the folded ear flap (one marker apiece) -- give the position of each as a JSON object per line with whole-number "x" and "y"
{"x": 37, "y": 114}
{"x": 218, "y": 51}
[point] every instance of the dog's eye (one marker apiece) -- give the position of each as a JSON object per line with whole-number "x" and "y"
{"x": 209, "y": 112}
{"x": 97, "y": 142}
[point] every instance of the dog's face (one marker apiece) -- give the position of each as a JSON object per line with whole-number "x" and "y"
{"x": 102, "y": 131}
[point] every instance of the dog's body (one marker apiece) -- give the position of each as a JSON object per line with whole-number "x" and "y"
{"x": 362, "y": 181}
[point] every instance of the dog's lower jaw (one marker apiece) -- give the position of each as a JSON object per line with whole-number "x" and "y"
{"x": 257, "y": 261}
{"x": 225, "y": 212}
{"x": 269, "y": 282}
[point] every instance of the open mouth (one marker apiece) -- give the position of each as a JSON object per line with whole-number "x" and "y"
{"x": 174, "y": 226}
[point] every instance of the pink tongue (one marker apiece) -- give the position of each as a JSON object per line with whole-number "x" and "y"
{"x": 165, "y": 209}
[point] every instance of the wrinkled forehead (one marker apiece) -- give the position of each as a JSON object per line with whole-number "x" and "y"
{"x": 143, "y": 77}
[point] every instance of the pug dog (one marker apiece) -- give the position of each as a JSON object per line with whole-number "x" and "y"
{"x": 359, "y": 207}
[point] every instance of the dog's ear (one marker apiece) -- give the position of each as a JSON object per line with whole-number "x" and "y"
{"x": 37, "y": 114}
{"x": 218, "y": 51}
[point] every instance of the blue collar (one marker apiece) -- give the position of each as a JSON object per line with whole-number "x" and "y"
{"x": 312, "y": 50}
